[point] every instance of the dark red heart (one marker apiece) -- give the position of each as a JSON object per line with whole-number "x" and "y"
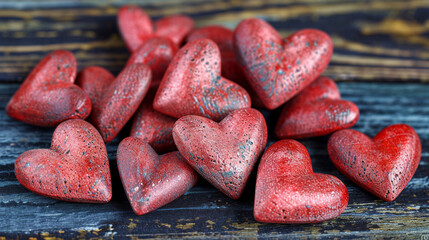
{"x": 316, "y": 111}
{"x": 288, "y": 191}
{"x": 151, "y": 181}
{"x": 223, "y": 153}
{"x": 48, "y": 96}
{"x": 75, "y": 168}
{"x": 153, "y": 127}
{"x": 230, "y": 68}
{"x": 192, "y": 85}
{"x": 136, "y": 27}
{"x": 278, "y": 69}
{"x": 157, "y": 53}
{"x": 383, "y": 165}
{"x": 118, "y": 99}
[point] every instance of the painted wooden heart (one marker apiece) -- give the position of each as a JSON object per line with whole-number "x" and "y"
{"x": 316, "y": 111}
{"x": 150, "y": 180}
{"x": 276, "y": 68}
{"x": 223, "y": 153}
{"x": 383, "y": 165}
{"x": 288, "y": 191}
{"x": 48, "y": 96}
{"x": 192, "y": 85}
{"x": 75, "y": 168}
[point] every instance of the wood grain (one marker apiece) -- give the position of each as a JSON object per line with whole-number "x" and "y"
{"x": 204, "y": 212}
{"x": 383, "y": 40}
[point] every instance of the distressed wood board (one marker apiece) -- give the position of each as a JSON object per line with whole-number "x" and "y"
{"x": 375, "y": 42}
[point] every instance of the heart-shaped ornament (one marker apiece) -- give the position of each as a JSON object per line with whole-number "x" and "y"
{"x": 136, "y": 27}
{"x": 192, "y": 85}
{"x": 276, "y": 68}
{"x": 383, "y": 165}
{"x": 288, "y": 191}
{"x": 48, "y": 96}
{"x": 75, "y": 168}
{"x": 150, "y": 180}
{"x": 152, "y": 126}
{"x": 117, "y": 100}
{"x": 223, "y": 153}
{"x": 157, "y": 53}
{"x": 316, "y": 111}
{"x": 230, "y": 68}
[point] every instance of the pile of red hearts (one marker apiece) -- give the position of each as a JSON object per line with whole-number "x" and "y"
{"x": 197, "y": 98}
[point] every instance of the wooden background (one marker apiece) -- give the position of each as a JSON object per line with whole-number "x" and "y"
{"x": 381, "y": 61}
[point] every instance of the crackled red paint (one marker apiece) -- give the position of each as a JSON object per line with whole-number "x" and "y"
{"x": 316, "y": 111}
{"x": 117, "y": 100}
{"x": 150, "y": 180}
{"x": 48, "y": 96}
{"x": 278, "y": 69}
{"x": 230, "y": 68}
{"x": 136, "y": 27}
{"x": 192, "y": 85}
{"x": 157, "y": 53}
{"x": 75, "y": 168}
{"x": 153, "y": 127}
{"x": 223, "y": 153}
{"x": 288, "y": 191}
{"x": 383, "y": 165}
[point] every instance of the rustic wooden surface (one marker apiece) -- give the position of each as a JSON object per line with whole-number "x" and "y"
{"x": 375, "y": 42}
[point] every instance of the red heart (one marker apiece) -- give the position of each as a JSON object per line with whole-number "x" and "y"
{"x": 153, "y": 127}
{"x": 278, "y": 69}
{"x": 192, "y": 85}
{"x": 116, "y": 100}
{"x": 223, "y": 153}
{"x": 230, "y": 68}
{"x": 75, "y": 168}
{"x": 316, "y": 111}
{"x": 288, "y": 191}
{"x": 383, "y": 165}
{"x": 151, "y": 181}
{"x": 157, "y": 53}
{"x": 136, "y": 27}
{"x": 48, "y": 96}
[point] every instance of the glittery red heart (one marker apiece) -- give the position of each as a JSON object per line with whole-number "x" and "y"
{"x": 223, "y": 153}
{"x": 316, "y": 111}
{"x": 48, "y": 96}
{"x": 192, "y": 85}
{"x": 276, "y": 68}
{"x": 383, "y": 165}
{"x": 75, "y": 168}
{"x": 151, "y": 180}
{"x": 288, "y": 191}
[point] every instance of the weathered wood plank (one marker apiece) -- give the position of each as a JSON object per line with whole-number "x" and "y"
{"x": 204, "y": 212}
{"x": 384, "y": 40}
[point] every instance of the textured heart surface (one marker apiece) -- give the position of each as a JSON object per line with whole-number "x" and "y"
{"x": 48, "y": 96}
{"x": 117, "y": 100}
{"x": 276, "y": 68}
{"x": 157, "y": 53}
{"x": 223, "y": 37}
{"x": 152, "y": 126}
{"x": 94, "y": 81}
{"x": 192, "y": 85}
{"x": 383, "y": 165}
{"x": 150, "y": 180}
{"x": 316, "y": 111}
{"x": 75, "y": 168}
{"x": 136, "y": 27}
{"x": 288, "y": 191}
{"x": 223, "y": 153}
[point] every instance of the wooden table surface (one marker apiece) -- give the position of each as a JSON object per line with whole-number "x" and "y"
{"x": 381, "y": 61}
